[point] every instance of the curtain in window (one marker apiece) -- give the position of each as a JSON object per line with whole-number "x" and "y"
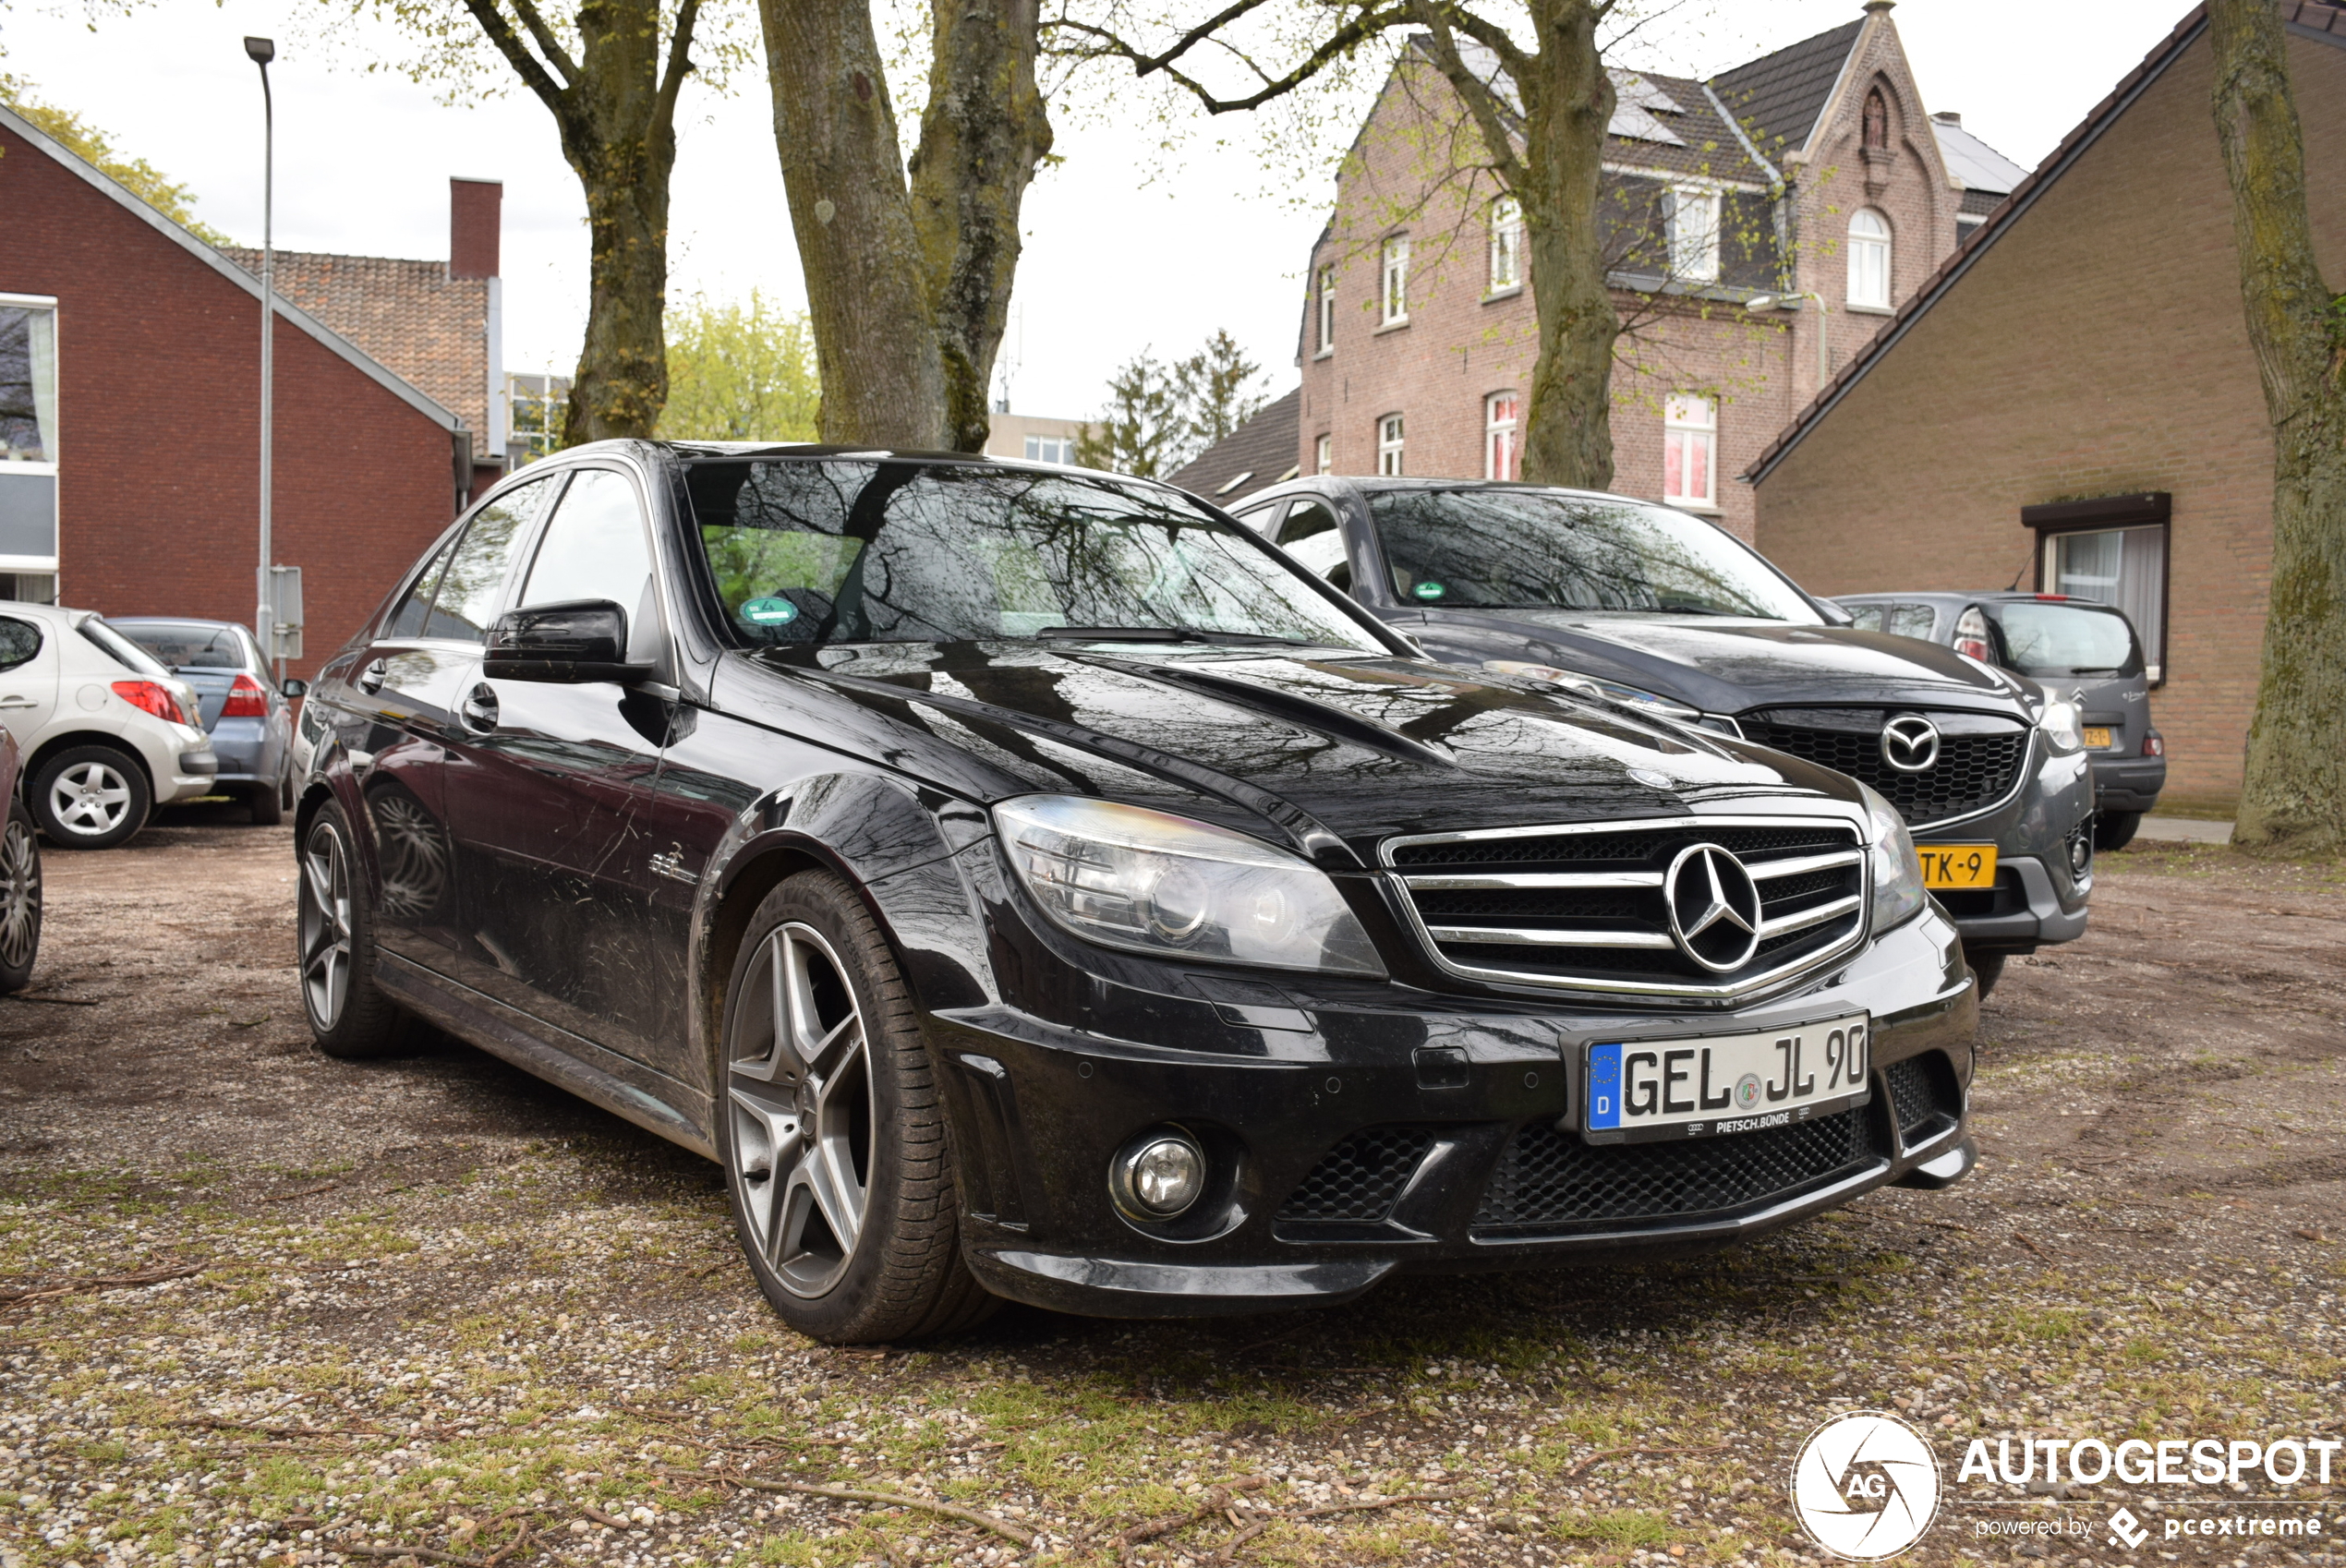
{"x": 28, "y": 384}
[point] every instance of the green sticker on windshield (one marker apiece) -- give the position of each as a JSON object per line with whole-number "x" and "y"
{"x": 770, "y": 612}
{"x": 1429, "y": 590}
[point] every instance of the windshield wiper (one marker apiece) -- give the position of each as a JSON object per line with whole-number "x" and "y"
{"x": 1161, "y": 634}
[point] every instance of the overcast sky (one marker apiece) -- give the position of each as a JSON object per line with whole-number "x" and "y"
{"x": 1115, "y": 262}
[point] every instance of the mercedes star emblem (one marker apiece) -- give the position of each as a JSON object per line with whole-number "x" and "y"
{"x": 1910, "y": 743}
{"x": 1714, "y": 907}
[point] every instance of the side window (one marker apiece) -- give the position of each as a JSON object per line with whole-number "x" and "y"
{"x": 1311, "y": 535}
{"x": 1262, "y": 518}
{"x": 407, "y": 620}
{"x": 20, "y": 640}
{"x": 1865, "y": 617}
{"x": 476, "y": 567}
{"x": 595, "y": 548}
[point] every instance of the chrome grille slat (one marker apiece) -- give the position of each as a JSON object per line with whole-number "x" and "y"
{"x": 1497, "y": 906}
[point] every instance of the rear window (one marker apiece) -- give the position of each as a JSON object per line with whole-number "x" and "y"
{"x": 189, "y": 644}
{"x": 2056, "y": 640}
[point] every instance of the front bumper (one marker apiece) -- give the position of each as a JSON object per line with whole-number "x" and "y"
{"x": 1348, "y": 1143}
{"x": 2037, "y": 897}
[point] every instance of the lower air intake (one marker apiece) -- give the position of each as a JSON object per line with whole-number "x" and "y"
{"x": 1358, "y": 1180}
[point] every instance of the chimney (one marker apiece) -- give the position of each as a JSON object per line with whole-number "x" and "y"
{"x": 1948, "y": 117}
{"x": 473, "y": 227}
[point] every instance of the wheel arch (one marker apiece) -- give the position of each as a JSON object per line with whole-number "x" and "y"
{"x": 50, "y": 748}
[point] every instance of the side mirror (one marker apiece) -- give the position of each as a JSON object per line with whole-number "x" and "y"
{"x": 294, "y": 689}
{"x": 577, "y": 640}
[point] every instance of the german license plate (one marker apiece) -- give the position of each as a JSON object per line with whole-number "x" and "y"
{"x": 1643, "y": 1089}
{"x": 2097, "y": 737}
{"x": 1957, "y": 866}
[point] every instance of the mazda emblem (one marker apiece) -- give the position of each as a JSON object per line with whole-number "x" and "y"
{"x": 1910, "y": 743}
{"x": 1714, "y": 907}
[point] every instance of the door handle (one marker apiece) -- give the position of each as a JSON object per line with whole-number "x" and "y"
{"x": 371, "y": 679}
{"x": 11, "y": 705}
{"x": 478, "y": 710}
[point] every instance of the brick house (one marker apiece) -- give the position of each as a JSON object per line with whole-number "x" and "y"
{"x": 2071, "y": 401}
{"x": 129, "y": 413}
{"x": 1730, "y": 207}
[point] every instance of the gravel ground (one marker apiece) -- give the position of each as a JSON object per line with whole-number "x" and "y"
{"x": 264, "y": 1310}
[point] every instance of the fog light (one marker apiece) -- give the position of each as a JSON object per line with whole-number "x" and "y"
{"x": 1160, "y": 1175}
{"x": 2081, "y": 851}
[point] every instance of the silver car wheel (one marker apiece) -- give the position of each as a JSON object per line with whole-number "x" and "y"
{"x": 799, "y": 1084}
{"x": 90, "y": 798}
{"x": 20, "y": 895}
{"x": 325, "y": 926}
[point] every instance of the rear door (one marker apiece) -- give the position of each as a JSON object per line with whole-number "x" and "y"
{"x": 28, "y": 679}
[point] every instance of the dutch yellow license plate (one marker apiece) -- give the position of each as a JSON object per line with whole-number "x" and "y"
{"x": 1957, "y": 866}
{"x": 2096, "y": 738}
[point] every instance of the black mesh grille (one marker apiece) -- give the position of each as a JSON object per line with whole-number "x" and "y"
{"x": 2006, "y": 897}
{"x": 1549, "y": 1180}
{"x": 1642, "y": 911}
{"x": 1924, "y": 1095}
{"x": 1972, "y": 771}
{"x": 1358, "y": 1178}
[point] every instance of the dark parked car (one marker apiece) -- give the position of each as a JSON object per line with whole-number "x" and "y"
{"x": 1026, "y": 884}
{"x": 1662, "y": 612}
{"x": 2085, "y": 651}
{"x": 19, "y": 875}
{"x": 248, "y": 718}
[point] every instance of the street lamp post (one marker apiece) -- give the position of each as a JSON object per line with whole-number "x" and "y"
{"x": 261, "y": 51}
{"x": 1784, "y": 301}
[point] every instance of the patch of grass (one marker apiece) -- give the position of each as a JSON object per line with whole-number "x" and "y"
{"x": 1625, "y": 1527}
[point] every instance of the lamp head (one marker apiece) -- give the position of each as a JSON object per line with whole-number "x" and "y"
{"x": 260, "y": 50}
{"x": 1760, "y": 302}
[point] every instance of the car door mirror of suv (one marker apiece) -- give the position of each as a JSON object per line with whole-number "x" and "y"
{"x": 575, "y": 640}
{"x": 292, "y": 689}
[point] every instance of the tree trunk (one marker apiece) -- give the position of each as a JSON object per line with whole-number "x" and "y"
{"x": 877, "y": 347}
{"x": 2295, "y": 790}
{"x": 983, "y": 134}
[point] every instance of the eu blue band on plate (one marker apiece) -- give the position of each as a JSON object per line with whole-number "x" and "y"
{"x": 1605, "y": 1087}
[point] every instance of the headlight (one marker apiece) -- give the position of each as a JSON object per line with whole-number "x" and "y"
{"x": 1897, "y": 870}
{"x": 2063, "y": 728}
{"x": 1590, "y": 686}
{"x": 1159, "y": 884}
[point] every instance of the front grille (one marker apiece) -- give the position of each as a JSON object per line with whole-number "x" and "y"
{"x": 1551, "y": 1182}
{"x": 2007, "y": 897}
{"x": 1359, "y": 1180}
{"x": 1924, "y": 1096}
{"x": 1979, "y": 756}
{"x": 1588, "y": 909}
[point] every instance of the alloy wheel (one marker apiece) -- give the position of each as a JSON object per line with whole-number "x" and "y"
{"x": 799, "y": 1084}
{"x": 20, "y": 895}
{"x": 89, "y": 799}
{"x": 325, "y": 926}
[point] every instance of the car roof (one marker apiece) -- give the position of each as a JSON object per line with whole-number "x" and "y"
{"x": 1370, "y": 482}
{"x": 173, "y": 621}
{"x": 691, "y": 452}
{"x": 1992, "y": 596}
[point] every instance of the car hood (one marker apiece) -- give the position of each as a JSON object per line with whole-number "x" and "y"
{"x": 1728, "y": 666}
{"x": 1323, "y": 747}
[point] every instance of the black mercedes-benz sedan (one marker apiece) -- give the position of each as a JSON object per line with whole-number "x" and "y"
{"x": 1652, "y": 607}
{"x": 1027, "y": 884}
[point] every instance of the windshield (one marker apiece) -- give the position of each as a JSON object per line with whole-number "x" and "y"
{"x": 2065, "y": 639}
{"x": 189, "y": 645}
{"x": 1489, "y": 550}
{"x": 121, "y": 649}
{"x": 812, "y": 551}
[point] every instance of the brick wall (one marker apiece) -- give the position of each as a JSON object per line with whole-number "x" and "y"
{"x": 158, "y": 416}
{"x": 2096, "y": 348}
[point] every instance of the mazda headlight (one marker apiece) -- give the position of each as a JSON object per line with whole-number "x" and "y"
{"x": 1154, "y": 883}
{"x": 2064, "y": 726}
{"x": 1897, "y": 868}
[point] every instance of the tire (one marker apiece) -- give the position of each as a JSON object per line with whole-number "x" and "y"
{"x": 335, "y": 954}
{"x": 2115, "y": 829}
{"x": 268, "y": 804}
{"x": 91, "y": 798}
{"x": 19, "y": 898}
{"x": 880, "y": 1164}
{"x": 1988, "y": 968}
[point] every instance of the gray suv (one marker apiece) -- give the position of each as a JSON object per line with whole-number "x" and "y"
{"x": 2086, "y": 652}
{"x": 1672, "y": 617}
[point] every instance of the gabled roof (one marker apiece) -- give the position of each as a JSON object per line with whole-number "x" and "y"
{"x": 1972, "y": 161}
{"x": 428, "y": 328}
{"x": 1659, "y": 122}
{"x": 1780, "y": 95}
{"x": 335, "y": 343}
{"x": 1257, "y": 454}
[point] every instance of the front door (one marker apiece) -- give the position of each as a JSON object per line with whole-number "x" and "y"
{"x": 28, "y": 681}
{"x": 545, "y": 793}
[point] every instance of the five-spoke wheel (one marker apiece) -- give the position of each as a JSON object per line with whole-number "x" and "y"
{"x": 90, "y": 798}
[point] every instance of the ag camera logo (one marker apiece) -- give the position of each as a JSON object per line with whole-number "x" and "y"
{"x": 1865, "y": 1486}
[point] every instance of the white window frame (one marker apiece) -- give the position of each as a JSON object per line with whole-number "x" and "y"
{"x": 47, "y": 302}
{"x": 1869, "y": 257}
{"x": 1507, "y": 245}
{"x": 1324, "y": 455}
{"x": 1327, "y": 310}
{"x": 1694, "y": 249}
{"x": 1502, "y": 438}
{"x": 1691, "y": 420}
{"x": 1393, "y": 292}
{"x": 1389, "y": 444}
{"x": 1050, "y": 449}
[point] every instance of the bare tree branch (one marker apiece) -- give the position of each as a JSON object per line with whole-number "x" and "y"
{"x": 1340, "y": 42}
{"x": 1479, "y": 97}
{"x": 679, "y": 64}
{"x": 525, "y": 64}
